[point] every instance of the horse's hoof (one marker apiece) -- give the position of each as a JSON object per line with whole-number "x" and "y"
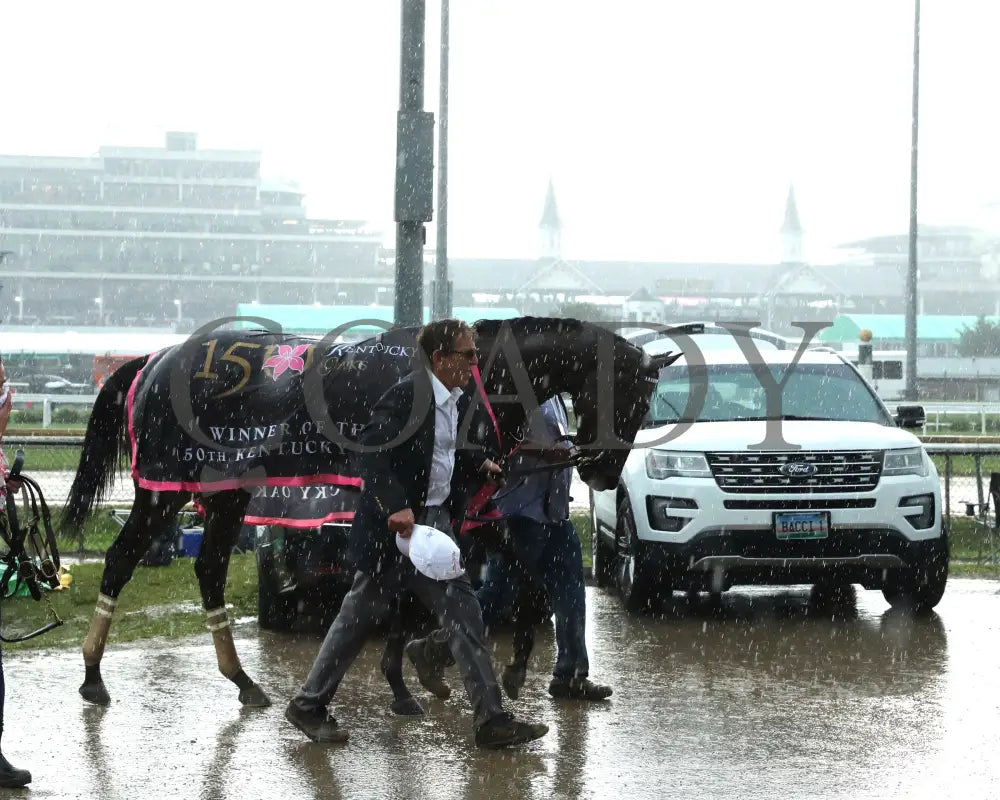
{"x": 407, "y": 708}
{"x": 513, "y": 679}
{"x": 254, "y": 697}
{"x": 95, "y": 693}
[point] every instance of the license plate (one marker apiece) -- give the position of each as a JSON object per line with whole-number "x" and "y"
{"x": 802, "y": 525}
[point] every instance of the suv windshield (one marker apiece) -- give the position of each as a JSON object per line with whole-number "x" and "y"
{"x": 813, "y": 391}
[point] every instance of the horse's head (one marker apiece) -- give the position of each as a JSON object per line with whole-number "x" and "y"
{"x": 609, "y": 379}
{"x": 610, "y": 405}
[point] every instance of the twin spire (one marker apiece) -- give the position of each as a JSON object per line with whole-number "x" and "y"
{"x": 550, "y": 227}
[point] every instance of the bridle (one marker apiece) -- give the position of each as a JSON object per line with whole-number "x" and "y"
{"x": 486, "y": 494}
{"x": 33, "y": 571}
{"x": 577, "y": 459}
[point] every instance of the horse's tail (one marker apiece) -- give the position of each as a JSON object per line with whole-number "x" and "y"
{"x": 105, "y": 445}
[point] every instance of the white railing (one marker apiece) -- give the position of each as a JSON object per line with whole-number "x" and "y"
{"x": 933, "y": 410}
{"x": 50, "y": 401}
{"x": 965, "y": 471}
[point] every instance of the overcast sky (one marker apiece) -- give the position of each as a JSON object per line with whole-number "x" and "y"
{"x": 670, "y": 129}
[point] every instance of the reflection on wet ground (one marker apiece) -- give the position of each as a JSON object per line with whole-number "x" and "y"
{"x": 770, "y": 694}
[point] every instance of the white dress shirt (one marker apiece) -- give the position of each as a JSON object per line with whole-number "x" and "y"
{"x": 445, "y": 436}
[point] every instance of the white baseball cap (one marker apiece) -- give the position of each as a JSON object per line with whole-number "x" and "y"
{"x": 433, "y": 552}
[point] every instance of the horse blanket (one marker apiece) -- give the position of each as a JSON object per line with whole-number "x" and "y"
{"x": 271, "y": 413}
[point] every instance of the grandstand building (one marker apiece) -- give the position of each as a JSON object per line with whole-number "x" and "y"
{"x": 153, "y": 235}
{"x": 175, "y": 236}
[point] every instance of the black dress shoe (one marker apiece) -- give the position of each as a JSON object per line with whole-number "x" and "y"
{"x": 317, "y": 724}
{"x": 579, "y": 689}
{"x": 429, "y": 673}
{"x": 504, "y": 731}
{"x": 11, "y": 777}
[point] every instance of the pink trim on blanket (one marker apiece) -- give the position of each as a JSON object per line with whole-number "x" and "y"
{"x": 469, "y": 524}
{"x": 129, "y": 403}
{"x": 239, "y": 483}
{"x": 480, "y": 499}
{"x": 301, "y": 524}
{"x": 489, "y": 409}
{"x": 215, "y": 486}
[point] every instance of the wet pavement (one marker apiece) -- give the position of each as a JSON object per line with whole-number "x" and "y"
{"x": 771, "y": 695}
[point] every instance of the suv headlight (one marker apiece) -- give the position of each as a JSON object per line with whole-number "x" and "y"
{"x": 662, "y": 464}
{"x": 911, "y": 461}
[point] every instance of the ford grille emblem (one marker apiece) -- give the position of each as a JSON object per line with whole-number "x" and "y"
{"x": 797, "y": 469}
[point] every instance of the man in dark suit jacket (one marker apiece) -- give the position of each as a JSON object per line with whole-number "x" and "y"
{"x": 413, "y": 472}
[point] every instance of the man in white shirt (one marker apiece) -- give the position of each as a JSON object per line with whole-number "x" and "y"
{"x": 413, "y": 472}
{"x": 544, "y": 543}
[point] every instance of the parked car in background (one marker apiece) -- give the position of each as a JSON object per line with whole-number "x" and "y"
{"x": 303, "y": 572}
{"x": 850, "y": 497}
{"x": 300, "y": 570}
{"x": 56, "y": 384}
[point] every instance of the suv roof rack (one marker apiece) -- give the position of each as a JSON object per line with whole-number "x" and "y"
{"x": 701, "y": 328}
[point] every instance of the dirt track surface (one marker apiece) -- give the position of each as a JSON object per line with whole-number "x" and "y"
{"x": 767, "y": 696}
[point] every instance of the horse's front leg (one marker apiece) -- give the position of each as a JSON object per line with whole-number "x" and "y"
{"x": 223, "y": 520}
{"x": 150, "y": 515}
{"x": 526, "y": 619}
{"x": 403, "y": 702}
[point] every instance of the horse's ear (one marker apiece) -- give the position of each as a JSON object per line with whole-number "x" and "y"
{"x": 656, "y": 363}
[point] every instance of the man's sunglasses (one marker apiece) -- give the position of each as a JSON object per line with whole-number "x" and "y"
{"x": 469, "y": 354}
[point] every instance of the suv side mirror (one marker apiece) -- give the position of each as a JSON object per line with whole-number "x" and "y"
{"x": 910, "y": 417}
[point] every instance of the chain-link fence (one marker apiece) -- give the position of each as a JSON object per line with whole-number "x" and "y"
{"x": 53, "y": 461}
{"x": 970, "y": 489}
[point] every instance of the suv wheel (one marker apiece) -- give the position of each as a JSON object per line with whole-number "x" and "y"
{"x": 275, "y": 611}
{"x": 602, "y": 561}
{"x": 921, "y": 588}
{"x": 634, "y": 581}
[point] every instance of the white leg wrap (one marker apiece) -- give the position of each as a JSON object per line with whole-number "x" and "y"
{"x": 97, "y": 634}
{"x": 105, "y": 606}
{"x": 216, "y": 619}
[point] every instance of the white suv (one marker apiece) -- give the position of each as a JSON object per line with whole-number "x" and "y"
{"x": 842, "y": 495}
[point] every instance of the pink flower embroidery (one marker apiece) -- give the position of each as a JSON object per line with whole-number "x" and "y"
{"x": 287, "y": 358}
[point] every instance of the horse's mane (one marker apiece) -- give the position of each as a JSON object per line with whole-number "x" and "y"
{"x": 530, "y": 325}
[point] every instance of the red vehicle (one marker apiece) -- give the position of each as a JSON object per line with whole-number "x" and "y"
{"x": 105, "y": 365}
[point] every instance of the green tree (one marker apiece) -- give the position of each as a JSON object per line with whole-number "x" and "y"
{"x": 587, "y": 312}
{"x": 982, "y": 339}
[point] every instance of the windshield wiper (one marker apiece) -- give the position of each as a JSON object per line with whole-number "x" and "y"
{"x": 656, "y": 423}
{"x": 796, "y": 417}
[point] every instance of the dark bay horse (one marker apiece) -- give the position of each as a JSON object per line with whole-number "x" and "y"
{"x": 230, "y": 410}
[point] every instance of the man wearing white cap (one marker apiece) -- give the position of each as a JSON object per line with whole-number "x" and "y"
{"x": 413, "y": 473}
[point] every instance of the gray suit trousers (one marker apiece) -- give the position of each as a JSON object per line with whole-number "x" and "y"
{"x": 371, "y": 601}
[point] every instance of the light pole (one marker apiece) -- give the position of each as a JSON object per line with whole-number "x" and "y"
{"x": 414, "y": 198}
{"x": 20, "y": 307}
{"x": 99, "y": 301}
{"x": 442, "y": 296}
{"x": 180, "y": 310}
{"x": 910, "y": 391}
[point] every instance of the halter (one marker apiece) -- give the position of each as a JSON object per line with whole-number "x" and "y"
{"x": 43, "y": 568}
{"x": 488, "y": 492}
{"x": 573, "y": 461}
